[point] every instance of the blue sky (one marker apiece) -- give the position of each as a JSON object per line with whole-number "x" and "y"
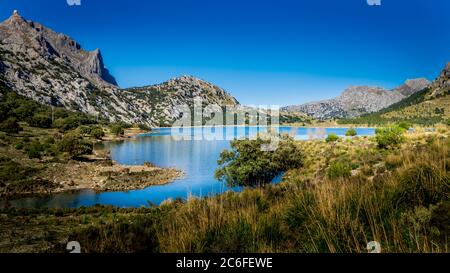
{"x": 263, "y": 52}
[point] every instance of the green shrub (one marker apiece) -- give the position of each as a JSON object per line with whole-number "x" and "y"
{"x": 339, "y": 169}
{"x": 117, "y": 129}
{"x": 73, "y": 144}
{"x": 405, "y": 125}
{"x": 85, "y": 130}
{"x": 22, "y": 109}
{"x": 389, "y": 137}
{"x": 351, "y": 132}
{"x": 10, "y": 125}
{"x": 247, "y": 164}
{"x": 35, "y": 149}
{"x": 19, "y": 146}
{"x": 50, "y": 140}
{"x": 97, "y": 132}
{"x": 66, "y": 124}
{"x": 40, "y": 120}
{"x": 332, "y": 138}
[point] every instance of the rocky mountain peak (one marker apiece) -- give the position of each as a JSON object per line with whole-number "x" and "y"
{"x": 16, "y": 15}
{"x": 360, "y": 90}
{"x": 187, "y": 80}
{"x": 358, "y": 100}
{"x": 412, "y": 86}
{"x": 27, "y": 37}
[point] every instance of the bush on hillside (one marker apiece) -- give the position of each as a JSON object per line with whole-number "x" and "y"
{"x": 35, "y": 149}
{"x": 73, "y": 144}
{"x": 117, "y": 129}
{"x": 405, "y": 125}
{"x": 40, "y": 120}
{"x": 339, "y": 169}
{"x": 332, "y": 138}
{"x": 389, "y": 137}
{"x": 97, "y": 132}
{"x": 10, "y": 125}
{"x": 351, "y": 132}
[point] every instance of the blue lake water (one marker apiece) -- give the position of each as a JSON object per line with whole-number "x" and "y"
{"x": 194, "y": 151}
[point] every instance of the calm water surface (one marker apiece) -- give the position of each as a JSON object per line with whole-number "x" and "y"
{"x": 163, "y": 147}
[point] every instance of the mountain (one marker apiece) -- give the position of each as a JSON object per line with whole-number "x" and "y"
{"x": 160, "y": 102}
{"x": 432, "y": 103}
{"x": 358, "y": 100}
{"x": 441, "y": 86}
{"x": 429, "y": 106}
{"x": 54, "y": 69}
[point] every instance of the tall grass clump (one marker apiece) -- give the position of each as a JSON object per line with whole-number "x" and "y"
{"x": 399, "y": 211}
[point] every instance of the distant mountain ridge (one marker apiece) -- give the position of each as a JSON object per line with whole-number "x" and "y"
{"x": 358, "y": 100}
{"x": 426, "y": 107}
{"x": 54, "y": 69}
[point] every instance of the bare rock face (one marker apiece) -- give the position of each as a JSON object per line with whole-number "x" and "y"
{"x": 52, "y": 68}
{"x": 19, "y": 35}
{"x": 411, "y": 87}
{"x": 359, "y": 100}
{"x": 441, "y": 86}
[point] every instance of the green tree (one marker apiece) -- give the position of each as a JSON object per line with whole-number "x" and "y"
{"x": 246, "y": 164}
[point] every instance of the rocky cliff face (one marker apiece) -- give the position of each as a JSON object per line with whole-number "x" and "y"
{"x": 358, "y": 100}
{"x": 441, "y": 86}
{"x": 52, "y": 68}
{"x": 21, "y": 36}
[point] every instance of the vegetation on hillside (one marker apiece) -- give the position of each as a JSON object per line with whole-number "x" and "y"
{"x": 34, "y": 137}
{"x": 417, "y": 109}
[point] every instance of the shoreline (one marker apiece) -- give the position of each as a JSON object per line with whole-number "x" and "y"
{"x": 99, "y": 175}
{"x": 97, "y": 172}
